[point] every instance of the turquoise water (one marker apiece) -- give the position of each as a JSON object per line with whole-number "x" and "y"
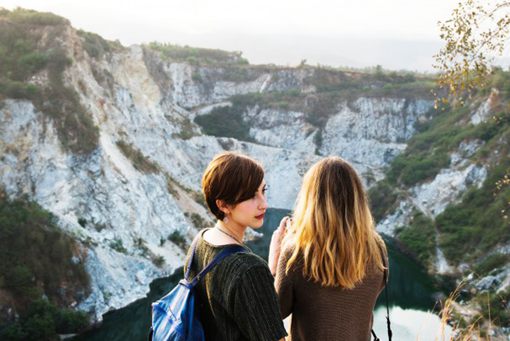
{"x": 410, "y": 293}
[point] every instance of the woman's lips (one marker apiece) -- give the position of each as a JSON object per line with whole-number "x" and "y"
{"x": 260, "y": 216}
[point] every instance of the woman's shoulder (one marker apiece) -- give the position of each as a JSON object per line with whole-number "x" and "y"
{"x": 243, "y": 262}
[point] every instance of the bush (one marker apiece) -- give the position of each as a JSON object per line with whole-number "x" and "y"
{"x": 178, "y": 239}
{"x": 383, "y": 198}
{"x": 495, "y": 307}
{"x": 159, "y": 261}
{"x": 139, "y": 161}
{"x": 43, "y": 321}
{"x": 196, "y": 220}
{"x": 95, "y": 45}
{"x": 419, "y": 238}
{"x": 35, "y": 260}
{"x": 215, "y": 123}
{"x": 117, "y": 245}
{"x": 491, "y": 262}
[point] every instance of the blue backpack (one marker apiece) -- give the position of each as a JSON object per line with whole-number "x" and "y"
{"x": 174, "y": 317}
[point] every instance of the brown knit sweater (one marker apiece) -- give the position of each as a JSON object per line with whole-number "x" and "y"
{"x": 326, "y": 313}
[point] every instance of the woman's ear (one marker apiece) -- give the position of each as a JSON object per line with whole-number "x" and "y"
{"x": 222, "y": 206}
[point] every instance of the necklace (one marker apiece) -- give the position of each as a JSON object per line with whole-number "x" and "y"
{"x": 228, "y": 234}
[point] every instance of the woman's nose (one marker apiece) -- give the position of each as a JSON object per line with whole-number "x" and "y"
{"x": 263, "y": 203}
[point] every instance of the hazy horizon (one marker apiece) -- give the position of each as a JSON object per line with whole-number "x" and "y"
{"x": 396, "y": 34}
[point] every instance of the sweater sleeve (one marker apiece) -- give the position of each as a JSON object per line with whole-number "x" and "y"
{"x": 283, "y": 283}
{"x": 256, "y": 306}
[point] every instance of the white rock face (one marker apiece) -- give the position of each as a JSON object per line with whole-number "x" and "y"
{"x": 399, "y": 218}
{"x": 284, "y": 129}
{"x": 121, "y": 208}
{"x": 433, "y": 197}
{"x": 118, "y": 203}
{"x": 187, "y": 93}
{"x": 371, "y": 132}
{"x": 483, "y": 113}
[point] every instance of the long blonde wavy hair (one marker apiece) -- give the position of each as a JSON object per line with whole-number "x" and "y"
{"x": 333, "y": 229}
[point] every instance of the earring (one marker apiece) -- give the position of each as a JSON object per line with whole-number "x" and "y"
{"x": 225, "y": 219}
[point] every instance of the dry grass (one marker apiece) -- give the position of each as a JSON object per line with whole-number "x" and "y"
{"x": 466, "y": 324}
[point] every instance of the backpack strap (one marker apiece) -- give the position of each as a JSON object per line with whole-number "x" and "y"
{"x": 190, "y": 261}
{"x": 229, "y": 250}
{"x": 386, "y": 282}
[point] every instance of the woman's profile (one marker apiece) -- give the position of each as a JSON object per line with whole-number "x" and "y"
{"x": 238, "y": 298}
{"x": 332, "y": 264}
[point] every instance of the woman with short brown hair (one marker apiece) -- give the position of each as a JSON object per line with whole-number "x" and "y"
{"x": 238, "y": 299}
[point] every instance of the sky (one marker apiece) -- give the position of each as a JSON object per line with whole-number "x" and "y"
{"x": 397, "y": 34}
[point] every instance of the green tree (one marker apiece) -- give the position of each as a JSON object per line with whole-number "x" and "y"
{"x": 476, "y": 33}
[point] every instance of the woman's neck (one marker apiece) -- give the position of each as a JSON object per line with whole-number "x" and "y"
{"x": 236, "y": 230}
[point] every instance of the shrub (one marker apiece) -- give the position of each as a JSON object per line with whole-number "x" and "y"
{"x": 419, "y": 238}
{"x": 197, "y": 220}
{"x": 117, "y": 245}
{"x": 82, "y": 222}
{"x": 43, "y": 321}
{"x": 199, "y": 198}
{"x": 159, "y": 261}
{"x": 383, "y": 198}
{"x": 178, "y": 239}
{"x": 215, "y": 123}
{"x": 495, "y": 307}
{"x": 491, "y": 262}
{"x": 35, "y": 259}
{"x": 140, "y": 244}
{"x": 95, "y": 45}
{"x": 139, "y": 161}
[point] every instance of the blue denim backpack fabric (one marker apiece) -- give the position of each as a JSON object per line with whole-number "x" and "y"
{"x": 174, "y": 317}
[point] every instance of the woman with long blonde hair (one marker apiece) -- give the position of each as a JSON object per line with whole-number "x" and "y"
{"x": 332, "y": 264}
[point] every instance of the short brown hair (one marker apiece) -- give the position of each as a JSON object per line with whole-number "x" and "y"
{"x": 231, "y": 177}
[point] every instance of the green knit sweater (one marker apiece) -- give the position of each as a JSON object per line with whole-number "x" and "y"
{"x": 237, "y": 298}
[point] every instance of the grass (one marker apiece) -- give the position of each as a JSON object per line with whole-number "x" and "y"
{"x": 96, "y": 46}
{"x": 493, "y": 312}
{"x": 197, "y": 56}
{"x": 139, "y": 161}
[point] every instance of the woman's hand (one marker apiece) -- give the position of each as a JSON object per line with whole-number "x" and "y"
{"x": 276, "y": 244}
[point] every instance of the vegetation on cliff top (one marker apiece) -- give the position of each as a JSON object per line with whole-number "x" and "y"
{"x": 32, "y": 65}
